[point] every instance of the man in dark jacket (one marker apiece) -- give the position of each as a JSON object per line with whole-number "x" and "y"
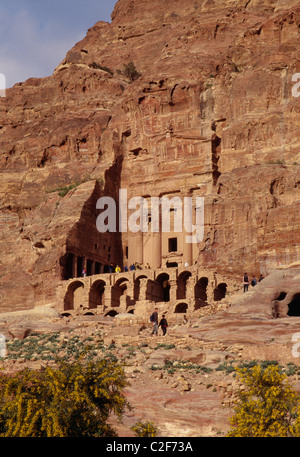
{"x": 154, "y": 320}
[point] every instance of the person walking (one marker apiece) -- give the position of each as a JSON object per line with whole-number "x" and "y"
{"x": 154, "y": 320}
{"x": 163, "y": 324}
{"x": 246, "y": 282}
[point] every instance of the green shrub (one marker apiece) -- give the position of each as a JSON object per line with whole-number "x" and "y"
{"x": 131, "y": 72}
{"x": 268, "y": 407}
{"x": 63, "y": 190}
{"x": 226, "y": 366}
{"x": 164, "y": 346}
{"x": 144, "y": 429}
{"x": 71, "y": 400}
{"x": 101, "y": 67}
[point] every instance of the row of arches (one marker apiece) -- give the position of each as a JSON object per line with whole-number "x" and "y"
{"x": 126, "y": 291}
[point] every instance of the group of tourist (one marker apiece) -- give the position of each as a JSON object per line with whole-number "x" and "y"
{"x": 163, "y": 323}
{"x": 117, "y": 269}
{"x": 136, "y": 266}
{"x": 253, "y": 282}
{"x": 132, "y": 267}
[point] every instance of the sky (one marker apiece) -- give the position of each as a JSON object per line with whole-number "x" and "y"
{"x": 35, "y": 35}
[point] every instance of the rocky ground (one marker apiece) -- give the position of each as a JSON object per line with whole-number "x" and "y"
{"x": 183, "y": 382}
{"x": 178, "y": 383}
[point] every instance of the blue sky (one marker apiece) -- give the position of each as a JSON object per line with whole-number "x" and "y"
{"x": 35, "y": 35}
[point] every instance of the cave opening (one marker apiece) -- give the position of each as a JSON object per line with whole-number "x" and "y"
{"x": 181, "y": 308}
{"x": 281, "y": 296}
{"x": 220, "y": 291}
{"x": 67, "y": 265}
{"x": 294, "y": 306}
{"x": 215, "y": 152}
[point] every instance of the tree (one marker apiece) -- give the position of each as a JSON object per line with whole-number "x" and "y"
{"x": 72, "y": 400}
{"x": 131, "y": 72}
{"x": 268, "y": 407}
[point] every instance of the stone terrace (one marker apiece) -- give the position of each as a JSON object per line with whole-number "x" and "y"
{"x": 172, "y": 290}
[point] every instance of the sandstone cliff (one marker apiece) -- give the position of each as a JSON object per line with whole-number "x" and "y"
{"x": 209, "y": 96}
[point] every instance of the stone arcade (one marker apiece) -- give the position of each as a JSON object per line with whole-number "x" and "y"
{"x": 174, "y": 290}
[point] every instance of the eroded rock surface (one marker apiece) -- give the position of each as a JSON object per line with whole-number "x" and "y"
{"x": 208, "y": 101}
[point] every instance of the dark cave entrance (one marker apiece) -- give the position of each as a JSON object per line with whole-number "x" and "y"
{"x": 294, "y": 306}
{"x": 220, "y": 291}
{"x": 67, "y": 263}
{"x": 215, "y": 156}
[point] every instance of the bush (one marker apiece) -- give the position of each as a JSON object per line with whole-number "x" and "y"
{"x": 63, "y": 190}
{"x": 101, "y": 67}
{"x": 131, "y": 72}
{"x": 268, "y": 407}
{"x": 72, "y": 400}
{"x": 144, "y": 429}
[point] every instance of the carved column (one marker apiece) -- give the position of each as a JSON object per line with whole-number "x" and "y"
{"x": 107, "y": 302}
{"x": 173, "y": 290}
{"x": 74, "y": 267}
{"x": 156, "y": 253}
{"x": 135, "y": 234}
{"x": 135, "y": 247}
{"x": 156, "y": 234}
{"x": 190, "y": 288}
{"x": 187, "y": 225}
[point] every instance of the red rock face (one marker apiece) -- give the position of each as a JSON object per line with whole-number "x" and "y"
{"x": 207, "y": 104}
